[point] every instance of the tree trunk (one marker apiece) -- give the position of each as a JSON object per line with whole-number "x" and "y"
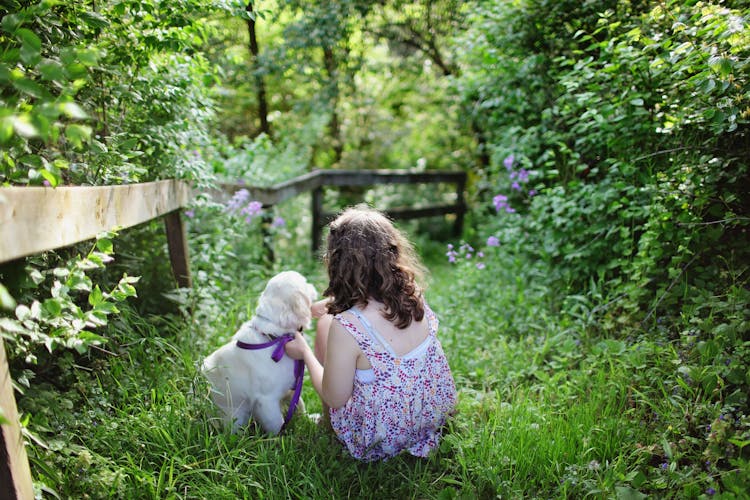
{"x": 334, "y": 126}
{"x": 260, "y": 85}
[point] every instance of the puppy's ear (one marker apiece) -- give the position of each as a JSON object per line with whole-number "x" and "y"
{"x": 311, "y": 292}
{"x": 299, "y": 306}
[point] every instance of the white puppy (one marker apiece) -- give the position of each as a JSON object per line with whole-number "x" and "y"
{"x": 248, "y": 383}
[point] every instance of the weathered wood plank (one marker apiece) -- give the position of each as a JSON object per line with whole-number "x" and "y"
{"x": 15, "y": 475}
{"x": 283, "y": 191}
{"x": 277, "y": 193}
{"x": 371, "y": 177}
{"x": 36, "y": 219}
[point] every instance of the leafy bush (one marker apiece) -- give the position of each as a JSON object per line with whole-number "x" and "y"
{"x": 637, "y": 177}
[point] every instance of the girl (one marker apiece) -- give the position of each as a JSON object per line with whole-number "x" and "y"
{"x": 378, "y": 365}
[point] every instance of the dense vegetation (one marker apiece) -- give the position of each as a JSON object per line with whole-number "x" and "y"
{"x": 595, "y": 310}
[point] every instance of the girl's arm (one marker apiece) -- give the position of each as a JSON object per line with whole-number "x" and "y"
{"x": 335, "y": 382}
{"x": 319, "y": 308}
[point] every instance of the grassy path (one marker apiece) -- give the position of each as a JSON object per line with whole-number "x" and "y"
{"x": 545, "y": 412}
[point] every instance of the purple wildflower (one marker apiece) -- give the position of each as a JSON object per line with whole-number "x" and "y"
{"x": 508, "y": 162}
{"x": 500, "y": 201}
{"x": 664, "y": 466}
{"x": 278, "y": 221}
{"x": 493, "y": 241}
{"x": 239, "y": 199}
{"x": 252, "y": 209}
{"x": 523, "y": 175}
{"x": 516, "y": 186}
{"x": 451, "y": 254}
{"x": 710, "y": 491}
{"x": 46, "y": 183}
{"x": 480, "y": 265}
{"x": 532, "y": 192}
{"x": 189, "y": 214}
{"x": 480, "y": 255}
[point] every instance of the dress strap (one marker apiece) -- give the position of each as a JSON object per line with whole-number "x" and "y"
{"x": 371, "y": 331}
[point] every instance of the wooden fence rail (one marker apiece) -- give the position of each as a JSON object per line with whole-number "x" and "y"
{"x": 317, "y": 180}
{"x": 37, "y": 219}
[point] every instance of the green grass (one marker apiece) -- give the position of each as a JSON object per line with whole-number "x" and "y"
{"x": 547, "y": 409}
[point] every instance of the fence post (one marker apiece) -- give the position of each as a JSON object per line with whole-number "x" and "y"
{"x": 458, "y": 226}
{"x": 15, "y": 474}
{"x": 317, "y": 218}
{"x": 178, "y": 250}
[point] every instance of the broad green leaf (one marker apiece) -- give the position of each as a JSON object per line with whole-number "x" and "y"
{"x": 10, "y": 23}
{"x": 51, "y": 177}
{"x": 53, "y": 307}
{"x": 104, "y": 245}
{"x": 51, "y": 70}
{"x": 29, "y": 38}
{"x": 96, "y": 296}
{"x": 30, "y": 87}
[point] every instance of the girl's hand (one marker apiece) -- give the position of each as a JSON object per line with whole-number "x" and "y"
{"x": 297, "y": 348}
{"x": 319, "y": 308}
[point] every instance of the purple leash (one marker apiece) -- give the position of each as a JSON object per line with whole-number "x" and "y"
{"x": 276, "y": 355}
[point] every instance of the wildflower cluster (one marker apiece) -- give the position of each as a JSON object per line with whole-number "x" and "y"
{"x": 240, "y": 203}
{"x": 518, "y": 179}
{"x": 467, "y": 253}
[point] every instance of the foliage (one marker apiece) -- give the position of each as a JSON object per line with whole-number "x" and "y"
{"x": 105, "y": 94}
{"x": 669, "y": 84}
{"x": 75, "y": 308}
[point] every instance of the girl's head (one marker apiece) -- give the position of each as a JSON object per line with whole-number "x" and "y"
{"x": 368, "y": 258}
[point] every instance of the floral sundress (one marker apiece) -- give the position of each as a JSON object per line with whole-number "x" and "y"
{"x": 402, "y": 403}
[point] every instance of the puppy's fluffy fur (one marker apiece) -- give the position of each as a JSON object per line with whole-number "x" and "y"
{"x": 248, "y": 383}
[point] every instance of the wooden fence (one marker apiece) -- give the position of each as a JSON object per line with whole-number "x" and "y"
{"x": 316, "y": 181}
{"x": 37, "y": 219}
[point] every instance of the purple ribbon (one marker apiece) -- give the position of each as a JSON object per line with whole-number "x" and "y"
{"x": 276, "y": 355}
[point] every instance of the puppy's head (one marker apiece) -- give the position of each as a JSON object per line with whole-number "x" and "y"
{"x": 285, "y": 302}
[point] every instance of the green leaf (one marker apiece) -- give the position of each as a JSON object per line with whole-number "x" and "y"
{"x": 31, "y": 46}
{"x": 6, "y": 129}
{"x": 628, "y": 493}
{"x": 73, "y": 110}
{"x": 23, "y": 127}
{"x": 51, "y": 177}
{"x": 30, "y": 87}
{"x": 29, "y": 39}
{"x": 51, "y": 70}
{"x": 11, "y": 326}
{"x": 6, "y": 300}
{"x": 53, "y": 307}
{"x": 10, "y": 23}
{"x": 105, "y": 245}
{"x": 78, "y": 134}
{"x": 88, "y": 57}
{"x": 96, "y": 296}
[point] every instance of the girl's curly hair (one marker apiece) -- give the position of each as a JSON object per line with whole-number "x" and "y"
{"x": 368, "y": 258}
